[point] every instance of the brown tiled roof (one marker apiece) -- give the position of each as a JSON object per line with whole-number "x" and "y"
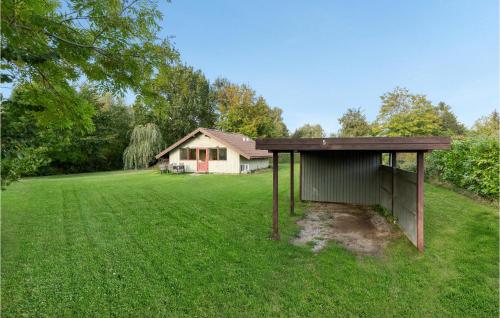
{"x": 242, "y": 144}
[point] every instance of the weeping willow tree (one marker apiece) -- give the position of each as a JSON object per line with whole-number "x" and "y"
{"x": 145, "y": 143}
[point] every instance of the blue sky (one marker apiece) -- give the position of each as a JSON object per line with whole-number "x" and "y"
{"x": 314, "y": 59}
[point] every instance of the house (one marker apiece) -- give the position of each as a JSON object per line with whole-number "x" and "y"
{"x": 350, "y": 170}
{"x": 211, "y": 151}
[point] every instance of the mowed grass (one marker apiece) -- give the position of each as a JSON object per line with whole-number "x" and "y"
{"x": 145, "y": 244}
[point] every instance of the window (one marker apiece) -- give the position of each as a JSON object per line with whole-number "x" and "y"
{"x": 222, "y": 154}
{"x": 245, "y": 168}
{"x": 188, "y": 154}
{"x": 192, "y": 154}
{"x": 184, "y": 154}
{"x": 218, "y": 154}
{"x": 213, "y": 154}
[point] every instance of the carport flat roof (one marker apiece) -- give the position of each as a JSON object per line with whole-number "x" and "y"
{"x": 389, "y": 144}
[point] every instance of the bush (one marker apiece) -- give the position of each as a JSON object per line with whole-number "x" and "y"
{"x": 471, "y": 164}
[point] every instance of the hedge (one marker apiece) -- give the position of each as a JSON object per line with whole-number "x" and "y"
{"x": 471, "y": 164}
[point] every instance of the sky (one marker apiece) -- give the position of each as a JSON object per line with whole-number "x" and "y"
{"x": 315, "y": 59}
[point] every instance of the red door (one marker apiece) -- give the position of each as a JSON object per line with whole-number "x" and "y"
{"x": 201, "y": 160}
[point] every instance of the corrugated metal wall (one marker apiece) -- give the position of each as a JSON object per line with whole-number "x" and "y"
{"x": 405, "y": 203}
{"x": 359, "y": 178}
{"x": 405, "y": 198}
{"x": 386, "y": 187}
{"x": 338, "y": 176}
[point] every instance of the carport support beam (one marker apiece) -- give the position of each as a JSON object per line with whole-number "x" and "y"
{"x": 420, "y": 201}
{"x": 292, "y": 183}
{"x": 276, "y": 234}
{"x": 393, "y": 165}
{"x": 300, "y": 176}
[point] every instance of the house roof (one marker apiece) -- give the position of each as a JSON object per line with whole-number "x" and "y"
{"x": 397, "y": 144}
{"x": 242, "y": 144}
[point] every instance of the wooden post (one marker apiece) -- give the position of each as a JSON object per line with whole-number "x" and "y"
{"x": 393, "y": 165}
{"x": 420, "y": 201}
{"x": 300, "y": 176}
{"x": 292, "y": 183}
{"x": 276, "y": 234}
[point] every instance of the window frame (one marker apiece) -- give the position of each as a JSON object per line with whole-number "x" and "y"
{"x": 188, "y": 154}
{"x": 218, "y": 154}
{"x": 186, "y": 151}
{"x": 218, "y": 149}
{"x": 210, "y": 150}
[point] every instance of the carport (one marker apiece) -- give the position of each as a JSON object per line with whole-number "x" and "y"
{"x": 350, "y": 170}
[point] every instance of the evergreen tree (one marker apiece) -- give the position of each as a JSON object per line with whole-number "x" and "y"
{"x": 450, "y": 125}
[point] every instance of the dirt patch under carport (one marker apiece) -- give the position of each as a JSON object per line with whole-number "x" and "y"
{"x": 356, "y": 227}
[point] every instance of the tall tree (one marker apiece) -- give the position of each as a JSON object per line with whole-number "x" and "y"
{"x": 353, "y": 123}
{"x": 406, "y": 114}
{"x": 279, "y": 127}
{"x": 31, "y": 145}
{"x": 181, "y": 102}
{"x": 141, "y": 112}
{"x": 49, "y": 45}
{"x": 309, "y": 131}
{"x": 450, "y": 125}
{"x": 23, "y": 151}
{"x": 241, "y": 110}
{"x": 145, "y": 143}
{"x": 101, "y": 149}
{"x": 487, "y": 125}
{"x": 27, "y": 136}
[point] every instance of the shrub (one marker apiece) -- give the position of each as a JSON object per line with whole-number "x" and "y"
{"x": 471, "y": 164}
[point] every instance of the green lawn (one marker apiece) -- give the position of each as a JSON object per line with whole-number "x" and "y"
{"x": 145, "y": 244}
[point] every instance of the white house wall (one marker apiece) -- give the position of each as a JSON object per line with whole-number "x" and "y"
{"x": 231, "y": 165}
{"x": 255, "y": 164}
